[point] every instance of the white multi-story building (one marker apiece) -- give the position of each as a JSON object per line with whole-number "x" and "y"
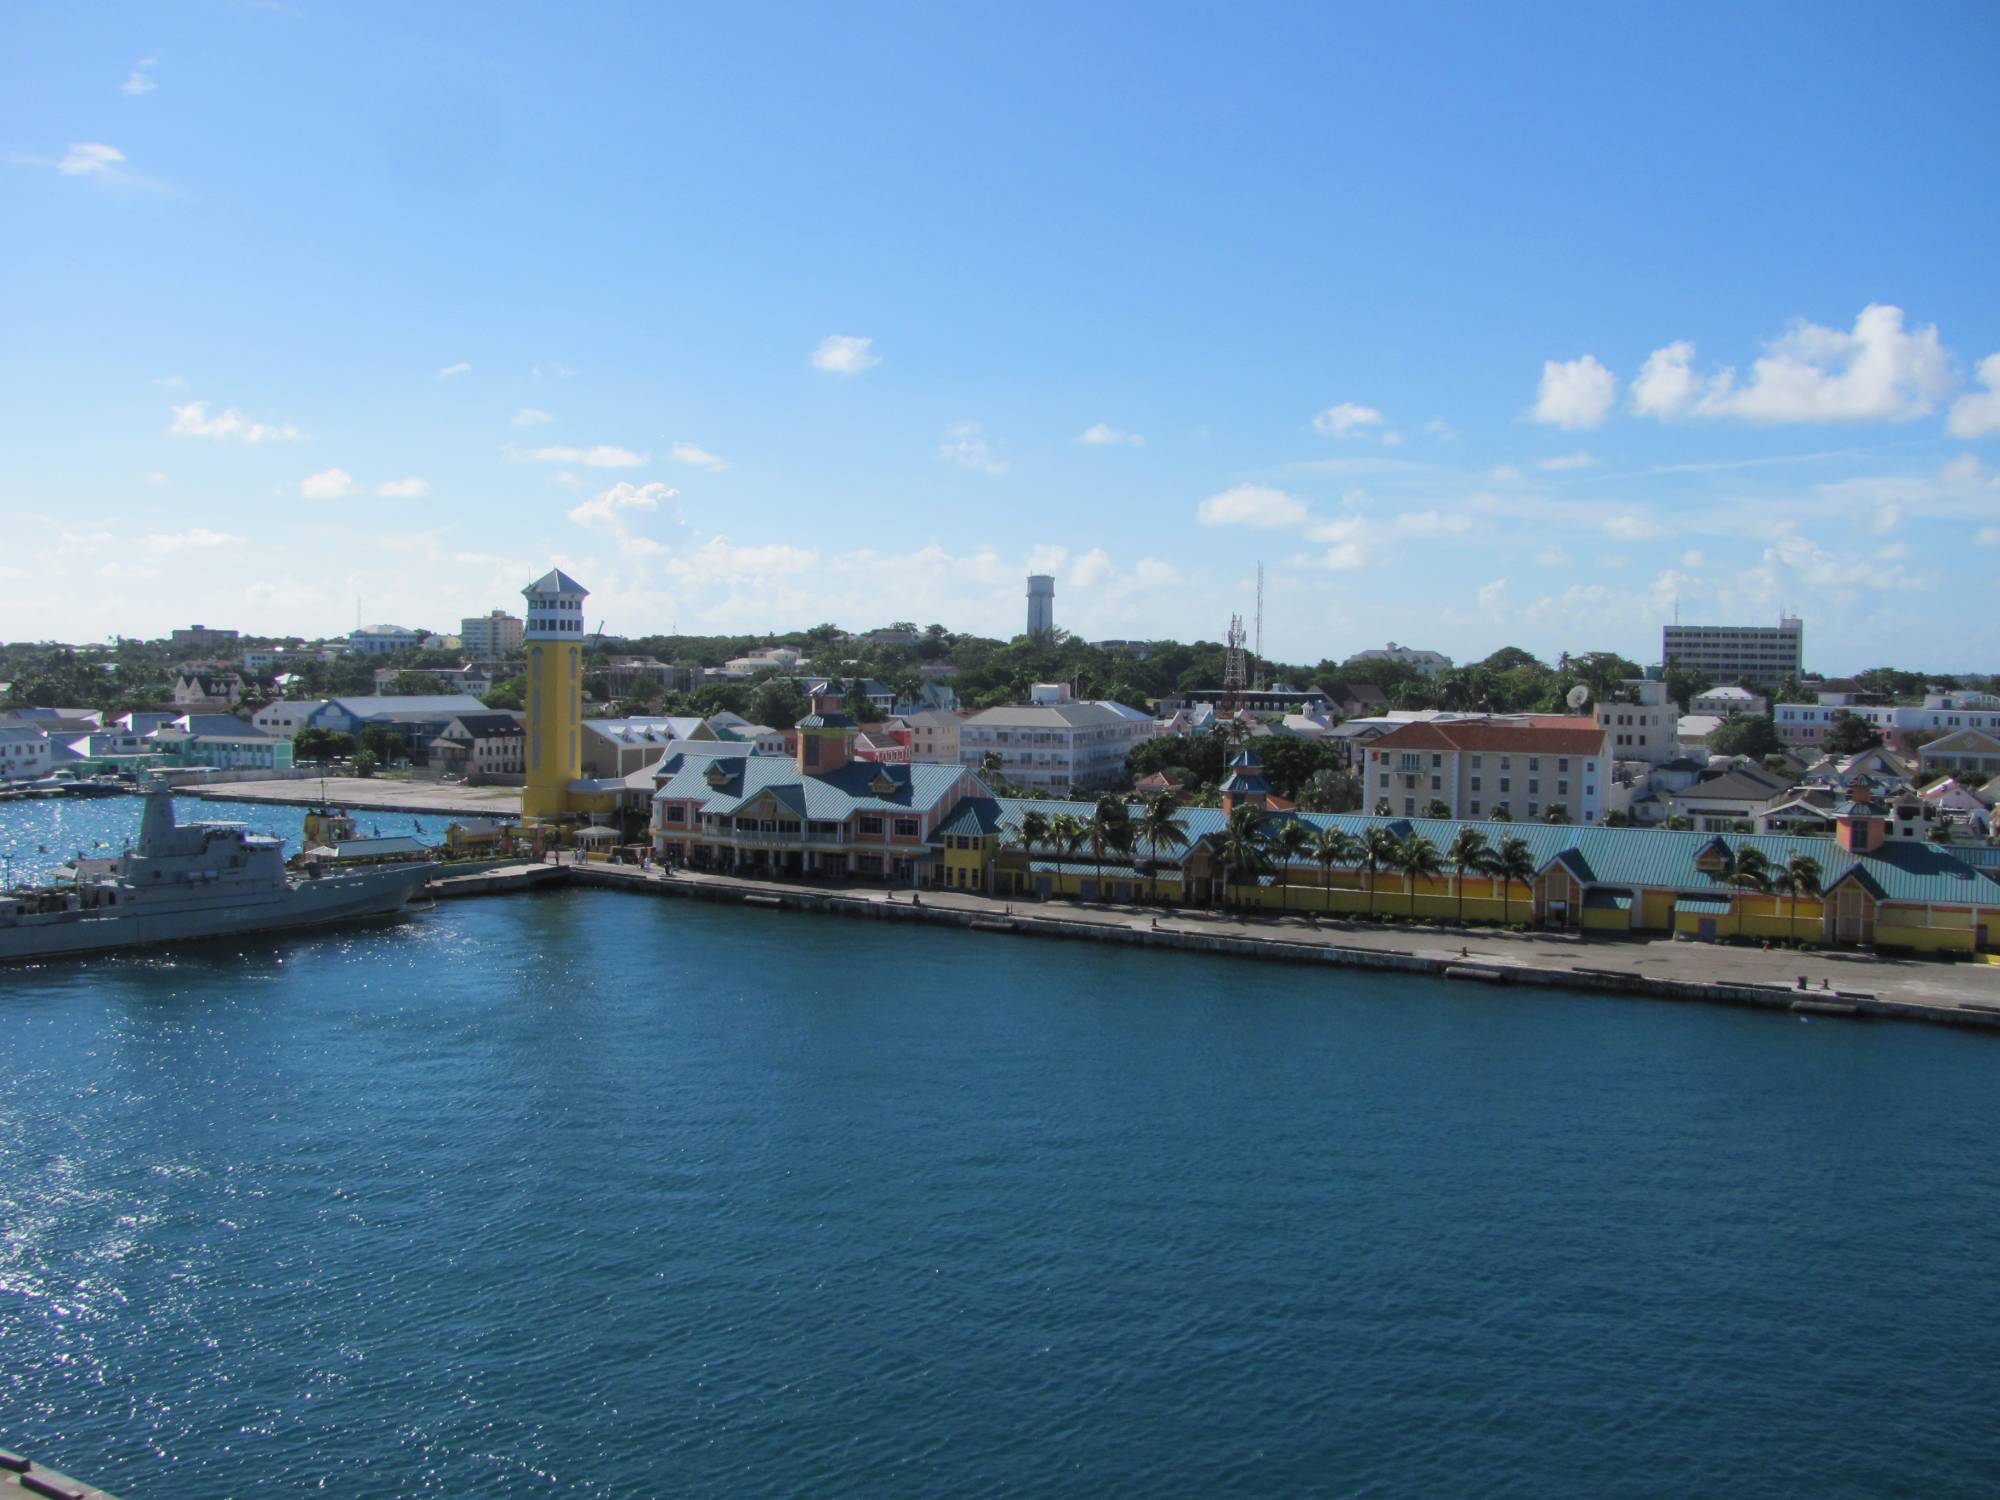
{"x": 1429, "y": 663}
{"x": 1647, "y": 729}
{"x": 1727, "y": 702}
{"x": 495, "y": 633}
{"x": 934, "y": 735}
{"x": 1806, "y": 724}
{"x": 1764, "y": 654}
{"x": 285, "y": 717}
{"x": 25, "y": 753}
{"x": 1474, "y": 766}
{"x": 380, "y": 640}
{"x": 1055, "y": 748}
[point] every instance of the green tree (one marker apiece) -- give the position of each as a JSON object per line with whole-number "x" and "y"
{"x": 1110, "y": 832}
{"x": 1799, "y": 876}
{"x": 1290, "y": 841}
{"x": 1849, "y": 734}
{"x": 364, "y": 763}
{"x": 1469, "y": 851}
{"x": 1034, "y": 831}
{"x": 1334, "y": 790}
{"x": 1241, "y": 846}
{"x": 1160, "y": 828}
{"x": 1378, "y": 852}
{"x": 1558, "y": 812}
{"x": 508, "y": 695}
{"x": 1437, "y": 807}
{"x": 382, "y": 742}
{"x": 1334, "y": 846}
{"x": 1754, "y": 735}
{"x": 1512, "y": 861}
{"x": 1418, "y": 858}
{"x": 1383, "y": 808}
{"x": 1068, "y": 832}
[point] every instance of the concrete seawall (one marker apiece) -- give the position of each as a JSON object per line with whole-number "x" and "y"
{"x": 1172, "y": 934}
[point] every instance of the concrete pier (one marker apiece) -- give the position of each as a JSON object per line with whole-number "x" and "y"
{"x": 1900, "y": 989}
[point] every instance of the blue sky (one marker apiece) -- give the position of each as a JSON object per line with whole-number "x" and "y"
{"x": 1476, "y": 325}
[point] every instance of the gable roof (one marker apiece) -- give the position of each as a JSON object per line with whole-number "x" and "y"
{"x": 1544, "y": 735}
{"x": 440, "y": 706}
{"x": 1963, "y": 742}
{"x": 724, "y": 784}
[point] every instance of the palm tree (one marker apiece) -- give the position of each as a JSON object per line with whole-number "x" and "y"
{"x": 1437, "y": 807}
{"x": 1378, "y": 849}
{"x": 1511, "y": 862}
{"x": 1242, "y": 844}
{"x": 1160, "y": 828}
{"x": 1109, "y": 828}
{"x": 1746, "y": 869}
{"x": 1334, "y": 846}
{"x": 1799, "y": 877}
{"x": 1557, "y": 813}
{"x": 1291, "y": 841}
{"x": 1067, "y": 833}
{"x": 1034, "y": 831}
{"x": 1469, "y": 851}
{"x": 1417, "y": 857}
{"x": 1383, "y": 809}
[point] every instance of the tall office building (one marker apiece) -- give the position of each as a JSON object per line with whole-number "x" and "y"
{"x": 1041, "y": 604}
{"x": 555, "y": 693}
{"x": 493, "y": 634}
{"x": 1764, "y": 655}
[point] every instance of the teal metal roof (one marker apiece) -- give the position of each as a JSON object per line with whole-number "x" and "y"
{"x": 1701, "y": 903}
{"x": 1628, "y": 858}
{"x": 830, "y": 797}
{"x": 972, "y": 818}
{"x": 1604, "y": 900}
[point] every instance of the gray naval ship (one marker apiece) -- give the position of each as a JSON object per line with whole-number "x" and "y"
{"x": 183, "y": 882}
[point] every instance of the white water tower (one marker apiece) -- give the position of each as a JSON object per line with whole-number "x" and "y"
{"x": 1041, "y": 604}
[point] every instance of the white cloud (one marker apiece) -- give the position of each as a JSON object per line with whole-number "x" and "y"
{"x": 554, "y": 370}
{"x": 140, "y": 79}
{"x": 1344, "y": 557}
{"x": 127, "y": 571}
{"x": 1156, "y": 571}
{"x": 1988, "y": 536}
{"x": 1578, "y": 460}
{"x": 529, "y": 416}
{"x": 1503, "y": 473}
{"x": 403, "y": 489}
{"x": 1442, "y": 430}
{"x": 1554, "y": 557}
{"x": 1252, "y": 505}
{"x": 1346, "y": 420}
{"x": 845, "y": 354}
{"x": 156, "y": 477}
{"x": 1090, "y": 568}
{"x": 1575, "y": 393}
{"x": 964, "y": 444}
{"x": 328, "y": 484}
{"x": 193, "y": 420}
{"x": 461, "y": 368}
{"x": 687, "y": 453}
{"x": 607, "y": 509}
{"x": 89, "y": 159}
{"x": 1633, "y": 528}
{"x": 1979, "y": 415}
{"x": 198, "y": 538}
{"x": 1692, "y": 558}
{"x": 1101, "y": 435}
{"x": 1492, "y": 595}
{"x": 1047, "y": 558}
{"x": 1878, "y": 372}
{"x": 603, "y": 456}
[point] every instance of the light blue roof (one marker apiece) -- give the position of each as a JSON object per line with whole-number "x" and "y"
{"x": 832, "y": 796}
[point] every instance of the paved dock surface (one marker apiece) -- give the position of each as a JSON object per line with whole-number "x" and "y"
{"x": 373, "y": 794}
{"x": 1968, "y": 992}
{"x": 21, "y": 1475}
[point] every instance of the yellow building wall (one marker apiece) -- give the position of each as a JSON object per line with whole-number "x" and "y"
{"x": 555, "y": 717}
{"x": 1948, "y": 930}
{"x": 1656, "y": 911}
{"x": 965, "y": 869}
{"x": 1607, "y": 919}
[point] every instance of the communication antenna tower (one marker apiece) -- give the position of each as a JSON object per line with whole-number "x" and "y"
{"x": 1260, "y": 628}
{"x": 1234, "y": 675}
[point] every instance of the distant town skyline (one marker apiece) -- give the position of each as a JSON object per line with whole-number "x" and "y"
{"x": 1475, "y": 328}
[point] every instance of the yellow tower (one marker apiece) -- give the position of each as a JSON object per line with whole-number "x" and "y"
{"x": 555, "y": 693}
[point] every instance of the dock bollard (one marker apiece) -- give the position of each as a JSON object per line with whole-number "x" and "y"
{"x": 1802, "y": 981}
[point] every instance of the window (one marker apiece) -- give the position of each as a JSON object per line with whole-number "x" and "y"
{"x": 1534, "y": 763}
{"x": 1506, "y": 783}
{"x": 1563, "y": 764}
{"x": 870, "y": 823}
{"x": 1506, "y": 763}
{"x": 1476, "y": 760}
{"x": 1436, "y": 761}
{"x": 1475, "y": 807}
{"x": 1475, "y": 783}
{"x": 1437, "y": 783}
{"x": 906, "y": 828}
{"x": 1534, "y": 786}
{"x": 1409, "y": 807}
{"x": 1562, "y": 788}
{"x": 1385, "y": 781}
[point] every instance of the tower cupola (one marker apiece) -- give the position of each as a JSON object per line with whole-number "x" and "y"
{"x": 555, "y": 607}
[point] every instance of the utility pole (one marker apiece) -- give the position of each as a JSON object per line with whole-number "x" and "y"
{"x": 1260, "y": 628}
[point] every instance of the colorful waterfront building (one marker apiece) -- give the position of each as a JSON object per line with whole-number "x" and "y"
{"x": 553, "y": 639}
{"x": 822, "y": 813}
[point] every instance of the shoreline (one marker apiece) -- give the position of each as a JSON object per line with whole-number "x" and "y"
{"x": 369, "y": 794}
{"x": 1467, "y": 955}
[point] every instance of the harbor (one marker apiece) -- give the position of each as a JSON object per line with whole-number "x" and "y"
{"x": 1827, "y": 985}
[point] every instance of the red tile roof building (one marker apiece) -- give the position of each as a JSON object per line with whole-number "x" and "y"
{"x": 1529, "y": 765}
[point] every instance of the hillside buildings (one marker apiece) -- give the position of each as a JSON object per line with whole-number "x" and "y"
{"x": 1762, "y": 654}
{"x": 485, "y": 749}
{"x": 1643, "y": 724}
{"x": 380, "y": 640}
{"x": 495, "y": 633}
{"x": 1727, "y": 701}
{"x": 200, "y": 640}
{"x": 1805, "y": 725}
{"x": 1429, "y": 663}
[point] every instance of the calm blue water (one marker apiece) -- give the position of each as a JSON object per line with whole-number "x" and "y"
{"x": 37, "y": 836}
{"x": 620, "y": 1196}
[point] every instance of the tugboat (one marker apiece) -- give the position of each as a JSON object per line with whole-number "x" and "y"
{"x": 183, "y": 882}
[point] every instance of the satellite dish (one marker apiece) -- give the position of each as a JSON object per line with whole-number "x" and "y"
{"x": 1578, "y": 695}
